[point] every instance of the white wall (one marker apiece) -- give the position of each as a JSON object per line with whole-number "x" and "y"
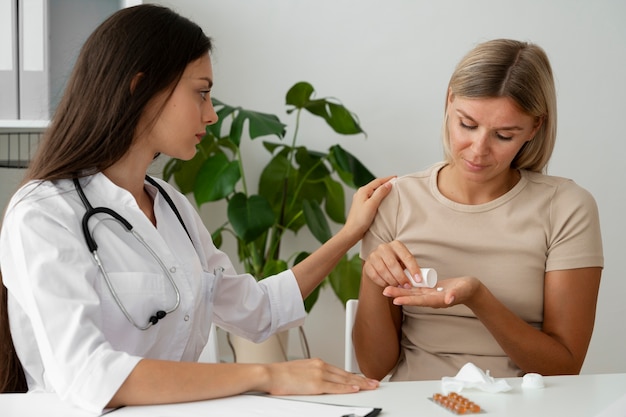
{"x": 390, "y": 61}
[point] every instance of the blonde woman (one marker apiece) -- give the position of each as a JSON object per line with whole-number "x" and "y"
{"x": 518, "y": 252}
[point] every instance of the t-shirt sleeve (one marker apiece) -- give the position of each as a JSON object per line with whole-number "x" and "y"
{"x": 383, "y": 228}
{"x": 575, "y": 239}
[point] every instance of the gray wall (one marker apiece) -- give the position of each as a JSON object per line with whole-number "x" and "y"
{"x": 9, "y": 180}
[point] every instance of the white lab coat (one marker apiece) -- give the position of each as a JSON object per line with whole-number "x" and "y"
{"x": 69, "y": 332}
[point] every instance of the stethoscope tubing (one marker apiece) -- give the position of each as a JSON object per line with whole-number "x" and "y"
{"x": 93, "y": 248}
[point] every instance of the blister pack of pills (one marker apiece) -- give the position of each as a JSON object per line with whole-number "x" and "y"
{"x": 456, "y": 403}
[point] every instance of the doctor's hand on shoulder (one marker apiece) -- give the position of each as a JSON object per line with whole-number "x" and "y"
{"x": 313, "y": 270}
{"x": 365, "y": 204}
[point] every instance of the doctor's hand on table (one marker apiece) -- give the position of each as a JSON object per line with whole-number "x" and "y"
{"x": 313, "y": 376}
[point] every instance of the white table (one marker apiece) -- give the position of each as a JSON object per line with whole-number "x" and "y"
{"x": 567, "y": 396}
{"x": 602, "y": 395}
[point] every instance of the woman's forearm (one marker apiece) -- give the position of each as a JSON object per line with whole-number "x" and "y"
{"x": 376, "y": 331}
{"x": 569, "y": 311}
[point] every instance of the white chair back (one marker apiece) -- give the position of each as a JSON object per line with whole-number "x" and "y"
{"x": 211, "y": 352}
{"x": 350, "y": 363}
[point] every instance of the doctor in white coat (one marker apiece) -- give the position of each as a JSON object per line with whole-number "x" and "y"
{"x": 127, "y": 325}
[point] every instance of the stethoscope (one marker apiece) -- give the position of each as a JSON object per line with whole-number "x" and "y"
{"x": 93, "y": 248}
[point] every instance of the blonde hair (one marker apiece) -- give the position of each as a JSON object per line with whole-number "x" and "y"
{"x": 520, "y": 71}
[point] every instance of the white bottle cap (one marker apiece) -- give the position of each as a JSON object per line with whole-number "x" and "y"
{"x": 429, "y": 278}
{"x": 532, "y": 381}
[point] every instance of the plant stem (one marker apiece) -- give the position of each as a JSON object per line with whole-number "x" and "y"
{"x": 293, "y": 141}
{"x": 277, "y": 230}
{"x": 241, "y": 170}
{"x": 302, "y": 181}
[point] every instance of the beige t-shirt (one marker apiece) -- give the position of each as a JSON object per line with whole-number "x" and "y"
{"x": 544, "y": 223}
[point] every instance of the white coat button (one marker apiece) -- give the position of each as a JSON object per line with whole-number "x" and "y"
{"x": 173, "y": 269}
{"x": 186, "y": 317}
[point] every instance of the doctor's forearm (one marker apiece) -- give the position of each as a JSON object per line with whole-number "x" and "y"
{"x": 162, "y": 382}
{"x": 312, "y": 270}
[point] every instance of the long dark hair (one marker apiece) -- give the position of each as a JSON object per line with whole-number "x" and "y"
{"x": 12, "y": 378}
{"x": 95, "y": 122}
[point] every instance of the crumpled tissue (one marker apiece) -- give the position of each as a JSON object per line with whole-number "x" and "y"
{"x": 471, "y": 376}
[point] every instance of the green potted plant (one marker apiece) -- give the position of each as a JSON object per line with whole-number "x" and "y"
{"x": 298, "y": 188}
